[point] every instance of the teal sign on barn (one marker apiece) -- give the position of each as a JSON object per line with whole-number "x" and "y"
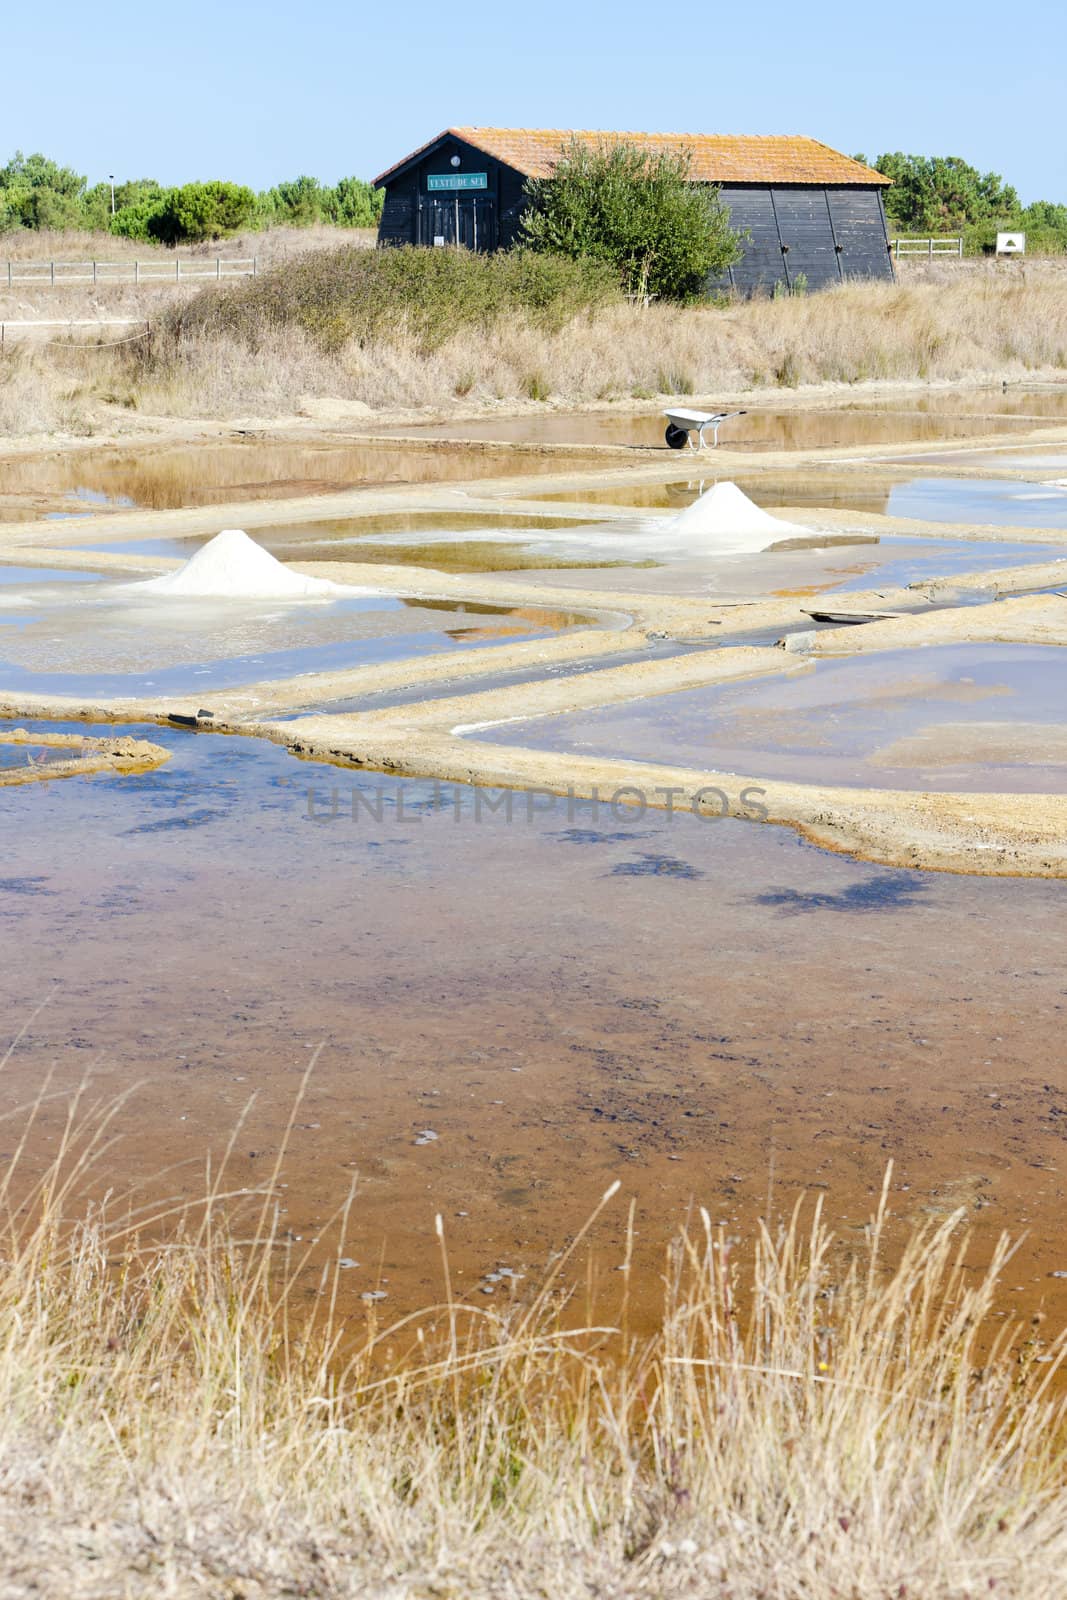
{"x": 456, "y": 180}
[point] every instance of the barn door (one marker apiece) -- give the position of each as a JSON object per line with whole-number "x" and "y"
{"x": 477, "y": 222}
{"x": 464, "y": 219}
{"x": 439, "y": 220}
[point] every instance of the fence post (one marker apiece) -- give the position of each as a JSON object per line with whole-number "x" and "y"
{"x": 253, "y": 266}
{"x": 94, "y": 271}
{"x": 53, "y": 267}
{"x": 177, "y": 269}
{"x": 218, "y": 266}
{"x": 9, "y": 274}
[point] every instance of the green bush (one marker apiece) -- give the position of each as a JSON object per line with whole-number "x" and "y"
{"x": 352, "y": 294}
{"x": 637, "y": 213}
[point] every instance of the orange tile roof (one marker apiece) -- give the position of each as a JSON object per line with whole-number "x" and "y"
{"x": 715, "y": 158}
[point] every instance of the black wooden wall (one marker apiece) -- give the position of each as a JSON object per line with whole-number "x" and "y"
{"x": 797, "y": 233}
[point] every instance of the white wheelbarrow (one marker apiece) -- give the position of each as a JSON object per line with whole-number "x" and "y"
{"x": 681, "y": 425}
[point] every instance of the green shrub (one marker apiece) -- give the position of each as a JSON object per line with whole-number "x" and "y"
{"x": 352, "y": 294}
{"x": 637, "y": 213}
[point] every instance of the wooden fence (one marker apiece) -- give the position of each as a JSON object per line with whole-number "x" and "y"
{"x": 937, "y": 246}
{"x": 53, "y": 274}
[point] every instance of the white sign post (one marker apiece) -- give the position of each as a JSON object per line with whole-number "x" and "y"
{"x": 1011, "y": 244}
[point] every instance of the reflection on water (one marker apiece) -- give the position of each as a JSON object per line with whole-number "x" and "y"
{"x": 762, "y": 428}
{"x": 31, "y": 575}
{"x": 392, "y": 540}
{"x": 208, "y": 473}
{"x": 962, "y": 717}
{"x": 984, "y": 502}
{"x": 844, "y": 491}
{"x": 564, "y": 998}
{"x": 990, "y": 502}
{"x": 132, "y": 645}
{"x": 901, "y": 562}
{"x": 1016, "y": 401}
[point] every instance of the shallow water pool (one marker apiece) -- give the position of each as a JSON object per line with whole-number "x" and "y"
{"x": 132, "y": 646}
{"x": 759, "y": 428}
{"x": 164, "y": 477}
{"x": 947, "y": 717}
{"x": 564, "y": 995}
{"x": 984, "y": 502}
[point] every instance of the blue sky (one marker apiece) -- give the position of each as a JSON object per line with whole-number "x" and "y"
{"x": 257, "y": 93}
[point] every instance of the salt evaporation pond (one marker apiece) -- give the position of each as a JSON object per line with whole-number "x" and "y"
{"x": 761, "y": 428}
{"x": 947, "y": 717}
{"x": 563, "y": 995}
{"x": 987, "y": 502}
{"x": 632, "y": 555}
{"x": 128, "y": 646}
{"x": 983, "y": 501}
{"x": 897, "y": 562}
{"x": 10, "y": 576}
{"x": 82, "y": 482}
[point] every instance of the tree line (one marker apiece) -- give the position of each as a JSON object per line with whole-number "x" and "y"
{"x": 38, "y": 193}
{"x": 945, "y": 195}
{"x": 638, "y": 214}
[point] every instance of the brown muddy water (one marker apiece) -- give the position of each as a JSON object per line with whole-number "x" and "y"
{"x": 1043, "y": 402}
{"x": 79, "y": 483}
{"x": 712, "y": 1012}
{"x": 450, "y": 542}
{"x": 990, "y": 718}
{"x": 760, "y": 428}
{"x": 847, "y": 491}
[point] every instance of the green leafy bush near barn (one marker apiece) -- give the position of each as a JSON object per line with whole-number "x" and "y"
{"x": 637, "y": 213}
{"x": 424, "y": 296}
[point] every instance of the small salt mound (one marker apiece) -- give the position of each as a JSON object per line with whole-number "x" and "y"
{"x": 734, "y": 522}
{"x": 233, "y": 567}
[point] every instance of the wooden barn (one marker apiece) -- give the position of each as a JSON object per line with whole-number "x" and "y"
{"x": 809, "y": 212}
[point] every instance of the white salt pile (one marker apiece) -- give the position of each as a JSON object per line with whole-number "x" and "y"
{"x": 733, "y": 522}
{"x": 233, "y": 567}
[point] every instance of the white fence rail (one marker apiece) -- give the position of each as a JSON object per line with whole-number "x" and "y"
{"x": 937, "y": 246}
{"x": 53, "y": 274}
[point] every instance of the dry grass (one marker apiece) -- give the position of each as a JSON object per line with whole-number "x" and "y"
{"x": 45, "y": 390}
{"x": 971, "y": 326}
{"x": 975, "y": 328}
{"x": 269, "y": 246}
{"x": 167, "y": 1429}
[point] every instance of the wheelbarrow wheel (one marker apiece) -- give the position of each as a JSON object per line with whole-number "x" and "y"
{"x": 676, "y": 437}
